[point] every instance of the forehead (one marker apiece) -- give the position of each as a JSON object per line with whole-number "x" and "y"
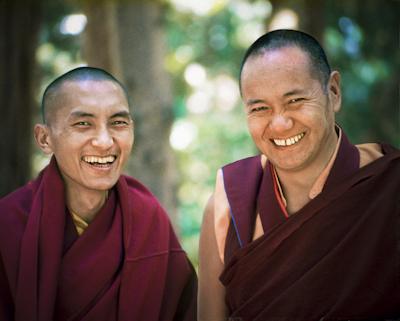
{"x": 275, "y": 60}
{"x": 276, "y": 68}
{"x": 95, "y": 96}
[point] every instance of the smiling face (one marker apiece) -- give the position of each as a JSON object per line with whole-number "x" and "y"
{"x": 90, "y": 133}
{"x": 290, "y": 114}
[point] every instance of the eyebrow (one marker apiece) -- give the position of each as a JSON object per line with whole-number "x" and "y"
{"x": 294, "y": 92}
{"x": 124, "y": 114}
{"x": 254, "y": 101}
{"x": 287, "y": 94}
{"x": 78, "y": 114}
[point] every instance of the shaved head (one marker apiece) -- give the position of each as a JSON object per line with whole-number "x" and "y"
{"x": 283, "y": 38}
{"x": 79, "y": 74}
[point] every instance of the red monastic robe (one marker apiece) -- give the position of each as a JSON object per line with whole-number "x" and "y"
{"x": 337, "y": 258}
{"x": 127, "y": 265}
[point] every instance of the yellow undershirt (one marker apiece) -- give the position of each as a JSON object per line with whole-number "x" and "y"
{"x": 80, "y": 224}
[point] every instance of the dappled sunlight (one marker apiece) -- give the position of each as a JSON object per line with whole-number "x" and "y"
{"x": 195, "y": 75}
{"x": 182, "y": 135}
{"x": 220, "y": 92}
{"x": 73, "y": 24}
{"x": 199, "y": 102}
{"x": 248, "y": 32}
{"x": 184, "y": 54}
{"x": 227, "y": 92}
{"x": 284, "y": 19}
{"x": 247, "y": 11}
{"x": 252, "y": 18}
{"x": 200, "y": 8}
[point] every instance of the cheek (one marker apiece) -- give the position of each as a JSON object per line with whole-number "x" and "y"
{"x": 69, "y": 150}
{"x": 126, "y": 143}
{"x": 256, "y": 127}
{"x": 316, "y": 116}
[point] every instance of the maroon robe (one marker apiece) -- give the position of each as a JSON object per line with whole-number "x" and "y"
{"x": 127, "y": 265}
{"x": 338, "y": 258}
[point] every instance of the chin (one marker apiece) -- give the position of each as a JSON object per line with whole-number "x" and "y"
{"x": 103, "y": 186}
{"x": 288, "y": 166}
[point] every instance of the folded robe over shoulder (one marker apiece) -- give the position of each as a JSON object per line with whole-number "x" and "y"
{"x": 127, "y": 265}
{"x": 337, "y": 258}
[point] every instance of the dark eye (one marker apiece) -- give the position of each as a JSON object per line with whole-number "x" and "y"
{"x": 295, "y": 100}
{"x": 258, "y": 109}
{"x": 120, "y": 123}
{"x": 82, "y": 124}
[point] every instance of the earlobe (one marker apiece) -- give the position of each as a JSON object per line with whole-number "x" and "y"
{"x": 42, "y": 138}
{"x": 334, "y": 91}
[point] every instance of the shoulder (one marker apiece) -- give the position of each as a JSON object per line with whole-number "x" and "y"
{"x": 390, "y": 151}
{"x": 228, "y": 177}
{"x": 17, "y": 205}
{"x": 235, "y": 178}
{"x": 14, "y": 210}
{"x": 149, "y": 219}
{"x": 239, "y": 175}
{"x": 371, "y": 152}
{"x": 139, "y": 193}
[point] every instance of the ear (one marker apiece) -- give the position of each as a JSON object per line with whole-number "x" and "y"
{"x": 334, "y": 92}
{"x": 42, "y": 138}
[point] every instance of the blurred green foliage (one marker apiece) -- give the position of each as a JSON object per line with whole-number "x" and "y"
{"x": 214, "y": 41}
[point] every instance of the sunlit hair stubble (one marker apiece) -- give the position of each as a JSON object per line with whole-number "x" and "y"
{"x": 319, "y": 65}
{"x": 77, "y": 74}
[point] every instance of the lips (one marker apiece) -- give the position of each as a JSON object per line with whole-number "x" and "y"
{"x": 99, "y": 160}
{"x": 288, "y": 141}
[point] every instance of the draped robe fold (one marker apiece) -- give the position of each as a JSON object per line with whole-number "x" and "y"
{"x": 127, "y": 265}
{"x": 337, "y": 258}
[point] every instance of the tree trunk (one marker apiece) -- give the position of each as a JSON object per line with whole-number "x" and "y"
{"x": 20, "y": 21}
{"x": 313, "y": 18}
{"x": 140, "y": 57}
{"x": 100, "y": 45}
{"x": 142, "y": 47}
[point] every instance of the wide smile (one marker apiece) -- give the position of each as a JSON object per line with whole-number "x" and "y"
{"x": 288, "y": 141}
{"x": 99, "y": 161}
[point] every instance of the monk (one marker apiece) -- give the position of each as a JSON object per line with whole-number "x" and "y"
{"x": 310, "y": 228}
{"x": 82, "y": 242}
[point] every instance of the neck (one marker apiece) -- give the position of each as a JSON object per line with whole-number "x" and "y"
{"x": 85, "y": 204}
{"x": 296, "y": 185}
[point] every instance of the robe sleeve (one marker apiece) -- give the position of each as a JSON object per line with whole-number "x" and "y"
{"x": 6, "y": 302}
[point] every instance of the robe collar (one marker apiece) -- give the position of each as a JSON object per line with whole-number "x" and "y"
{"x": 345, "y": 163}
{"x": 250, "y": 189}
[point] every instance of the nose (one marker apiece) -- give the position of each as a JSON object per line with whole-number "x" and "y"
{"x": 280, "y": 123}
{"x": 103, "y": 139}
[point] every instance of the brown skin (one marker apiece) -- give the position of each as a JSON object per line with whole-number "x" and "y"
{"x": 291, "y": 103}
{"x": 284, "y": 101}
{"x": 211, "y": 293}
{"x": 89, "y": 121}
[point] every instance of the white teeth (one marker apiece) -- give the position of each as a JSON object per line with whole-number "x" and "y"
{"x": 280, "y": 142}
{"x": 289, "y": 141}
{"x": 99, "y": 160}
